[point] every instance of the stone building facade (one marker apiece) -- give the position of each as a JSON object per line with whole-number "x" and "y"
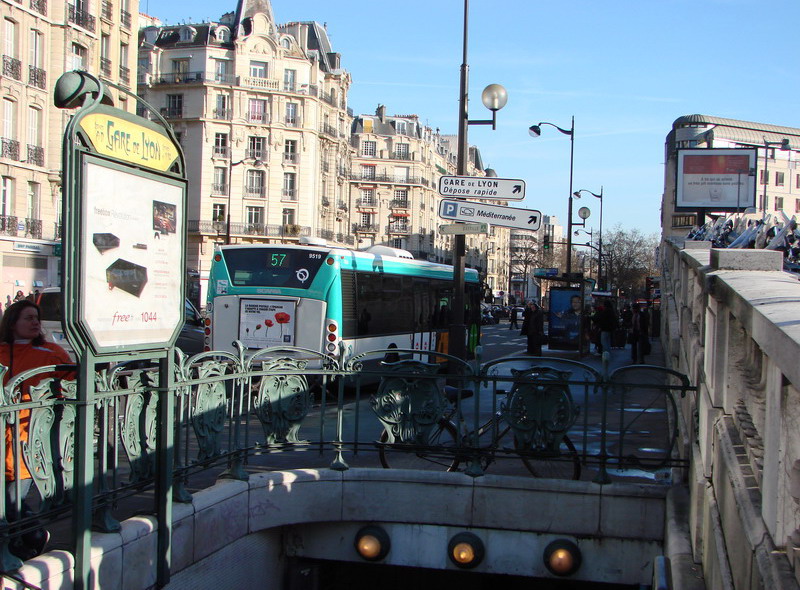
{"x": 39, "y": 41}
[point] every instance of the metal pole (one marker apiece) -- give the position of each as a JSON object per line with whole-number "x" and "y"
{"x": 569, "y": 221}
{"x": 766, "y": 178}
{"x": 228, "y": 208}
{"x": 600, "y": 244}
{"x": 457, "y": 337}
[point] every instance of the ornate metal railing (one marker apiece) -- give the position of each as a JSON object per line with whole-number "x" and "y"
{"x": 80, "y": 18}
{"x": 37, "y": 77}
{"x": 521, "y": 416}
{"x": 36, "y": 155}
{"x": 9, "y": 225}
{"x": 9, "y": 148}
{"x": 12, "y": 67}
{"x": 39, "y": 6}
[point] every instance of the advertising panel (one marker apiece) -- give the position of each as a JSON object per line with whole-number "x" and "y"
{"x": 264, "y": 323}
{"x": 564, "y": 319}
{"x": 716, "y": 179}
{"x": 132, "y": 247}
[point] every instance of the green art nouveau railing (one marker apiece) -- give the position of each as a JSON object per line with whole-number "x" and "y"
{"x": 287, "y": 408}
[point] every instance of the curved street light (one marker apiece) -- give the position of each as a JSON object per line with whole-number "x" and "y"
{"x": 600, "y": 239}
{"x": 536, "y": 131}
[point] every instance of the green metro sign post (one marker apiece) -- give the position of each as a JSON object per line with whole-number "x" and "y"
{"x": 124, "y": 199}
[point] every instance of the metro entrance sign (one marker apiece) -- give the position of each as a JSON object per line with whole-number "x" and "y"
{"x": 475, "y": 187}
{"x": 494, "y": 214}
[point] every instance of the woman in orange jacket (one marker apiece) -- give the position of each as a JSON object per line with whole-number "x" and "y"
{"x": 23, "y": 347}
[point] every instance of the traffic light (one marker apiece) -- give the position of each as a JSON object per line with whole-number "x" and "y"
{"x": 546, "y": 244}
{"x": 648, "y": 285}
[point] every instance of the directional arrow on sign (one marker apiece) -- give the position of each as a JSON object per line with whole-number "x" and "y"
{"x": 470, "y": 211}
{"x": 481, "y": 187}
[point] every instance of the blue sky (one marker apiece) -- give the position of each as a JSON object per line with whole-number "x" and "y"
{"x": 625, "y": 69}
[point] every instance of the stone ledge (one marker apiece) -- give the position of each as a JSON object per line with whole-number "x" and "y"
{"x": 738, "y": 259}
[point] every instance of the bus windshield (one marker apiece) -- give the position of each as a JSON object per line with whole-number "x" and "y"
{"x": 273, "y": 267}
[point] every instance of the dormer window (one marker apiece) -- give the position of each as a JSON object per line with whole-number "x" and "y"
{"x": 187, "y": 34}
{"x": 222, "y": 34}
{"x": 285, "y": 43}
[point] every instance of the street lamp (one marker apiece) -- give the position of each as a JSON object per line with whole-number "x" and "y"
{"x": 231, "y": 164}
{"x": 536, "y": 131}
{"x": 600, "y": 239}
{"x": 589, "y": 233}
{"x": 494, "y": 98}
{"x": 784, "y": 145}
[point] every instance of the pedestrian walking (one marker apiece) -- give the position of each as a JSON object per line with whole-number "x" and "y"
{"x": 606, "y": 322}
{"x": 640, "y": 334}
{"x": 533, "y": 329}
{"x": 514, "y": 315}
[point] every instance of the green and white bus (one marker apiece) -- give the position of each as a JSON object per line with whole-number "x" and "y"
{"x": 332, "y": 299}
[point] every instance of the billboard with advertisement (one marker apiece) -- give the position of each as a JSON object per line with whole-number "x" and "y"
{"x": 565, "y": 318}
{"x": 719, "y": 179}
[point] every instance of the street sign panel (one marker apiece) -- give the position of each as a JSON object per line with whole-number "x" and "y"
{"x": 545, "y": 272}
{"x": 464, "y": 228}
{"x": 494, "y": 214}
{"x": 475, "y": 187}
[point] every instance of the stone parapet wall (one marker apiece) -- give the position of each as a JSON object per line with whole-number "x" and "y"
{"x": 731, "y": 321}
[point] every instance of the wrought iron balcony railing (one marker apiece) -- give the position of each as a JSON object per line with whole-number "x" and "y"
{"x": 37, "y": 77}
{"x": 398, "y": 228}
{"x": 289, "y": 194}
{"x": 39, "y": 6}
{"x": 365, "y": 227}
{"x": 9, "y": 148}
{"x": 330, "y": 130}
{"x": 180, "y": 78}
{"x": 81, "y": 18}
{"x": 172, "y": 112}
{"x": 33, "y": 228}
{"x": 255, "y": 190}
{"x": 399, "y": 204}
{"x": 107, "y": 10}
{"x": 291, "y": 158}
{"x": 124, "y": 76}
{"x": 222, "y": 151}
{"x": 9, "y": 225}
{"x": 125, "y": 19}
{"x": 12, "y": 67}
{"x": 35, "y": 155}
{"x": 219, "y": 188}
{"x": 257, "y": 154}
{"x": 105, "y": 67}
{"x": 223, "y": 114}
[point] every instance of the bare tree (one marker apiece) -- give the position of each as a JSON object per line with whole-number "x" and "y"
{"x": 629, "y": 257}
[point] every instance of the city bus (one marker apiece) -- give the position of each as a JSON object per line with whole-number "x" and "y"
{"x": 331, "y": 299}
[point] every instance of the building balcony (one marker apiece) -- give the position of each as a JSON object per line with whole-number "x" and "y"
{"x": 107, "y": 10}
{"x": 124, "y": 76}
{"x": 220, "y": 228}
{"x": 387, "y": 178}
{"x": 399, "y": 204}
{"x": 289, "y": 194}
{"x": 330, "y": 130}
{"x": 330, "y": 99}
{"x": 401, "y": 156}
{"x": 292, "y": 121}
{"x": 180, "y": 78}
{"x": 291, "y": 158}
{"x": 366, "y": 203}
{"x": 33, "y": 228}
{"x": 262, "y": 83}
{"x": 258, "y": 118}
{"x": 81, "y": 18}
{"x": 39, "y": 6}
{"x": 37, "y": 77}
{"x": 256, "y": 190}
{"x": 221, "y": 151}
{"x": 57, "y": 229}
{"x": 35, "y": 155}
{"x": 105, "y": 67}
{"x": 125, "y": 19}
{"x": 257, "y": 154}
{"x": 223, "y": 114}
{"x": 219, "y": 188}
{"x": 341, "y": 206}
{"x": 9, "y": 225}
{"x": 172, "y": 112}
{"x": 12, "y": 67}
{"x": 9, "y": 148}
{"x": 369, "y": 228}
{"x": 398, "y": 228}
{"x": 226, "y": 79}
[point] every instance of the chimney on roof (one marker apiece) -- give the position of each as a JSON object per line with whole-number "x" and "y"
{"x": 380, "y": 112}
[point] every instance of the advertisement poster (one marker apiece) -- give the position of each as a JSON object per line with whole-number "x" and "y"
{"x": 564, "y": 320}
{"x": 131, "y": 280}
{"x": 717, "y": 179}
{"x": 265, "y": 322}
